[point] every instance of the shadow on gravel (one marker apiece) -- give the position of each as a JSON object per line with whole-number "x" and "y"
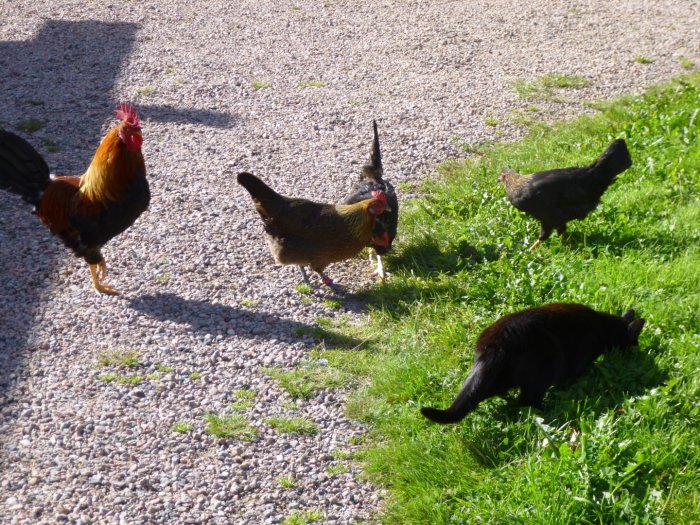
{"x": 56, "y": 92}
{"x": 210, "y": 118}
{"x": 217, "y": 319}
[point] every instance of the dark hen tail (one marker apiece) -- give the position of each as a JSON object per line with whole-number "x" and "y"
{"x": 614, "y": 160}
{"x": 22, "y": 170}
{"x": 373, "y": 172}
{"x": 265, "y": 197}
{"x": 476, "y": 388}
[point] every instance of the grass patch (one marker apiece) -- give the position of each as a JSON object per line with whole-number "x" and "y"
{"x": 30, "y": 125}
{"x": 302, "y": 382}
{"x": 233, "y": 426}
{"x": 260, "y": 84}
{"x": 165, "y": 369}
{"x": 146, "y": 90}
{"x": 621, "y": 444}
{"x": 643, "y": 60}
{"x": 304, "y": 288}
{"x": 303, "y": 518}
{"x": 293, "y": 425}
{"x": 336, "y": 304}
{"x": 132, "y": 380}
{"x": 686, "y": 63}
{"x": 287, "y": 482}
{"x": 311, "y": 84}
{"x": 549, "y": 87}
{"x": 244, "y": 399}
{"x": 334, "y": 470}
{"x": 491, "y": 121}
{"x": 182, "y": 427}
{"x": 50, "y": 146}
{"x": 118, "y": 358}
{"x": 196, "y": 375}
{"x": 250, "y": 303}
{"x": 163, "y": 278}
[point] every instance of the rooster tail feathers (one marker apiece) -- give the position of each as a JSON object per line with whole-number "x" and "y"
{"x": 22, "y": 170}
{"x": 476, "y": 388}
{"x": 614, "y": 160}
{"x": 374, "y": 171}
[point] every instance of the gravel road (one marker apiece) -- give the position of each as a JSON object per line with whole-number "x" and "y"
{"x": 203, "y": 304}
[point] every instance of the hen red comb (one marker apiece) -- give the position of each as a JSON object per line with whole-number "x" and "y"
{"x": 127, "y": 113}
{"x": 379, "y": 196}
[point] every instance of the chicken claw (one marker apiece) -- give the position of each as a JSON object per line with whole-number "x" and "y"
{"x": 95, "y": 271}
{"x": 329, "y": 282}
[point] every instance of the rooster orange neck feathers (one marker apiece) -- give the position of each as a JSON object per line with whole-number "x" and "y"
{"x": 117, "y": 161}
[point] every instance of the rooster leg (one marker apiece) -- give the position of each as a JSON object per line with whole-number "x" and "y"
{"x": 100, "y": 287}
{"x": 303, "y": 274}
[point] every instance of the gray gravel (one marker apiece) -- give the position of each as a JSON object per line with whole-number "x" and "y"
{"x": 200, "y": 291}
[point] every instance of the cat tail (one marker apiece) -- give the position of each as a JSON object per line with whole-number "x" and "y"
{"x": 476, "y": 388}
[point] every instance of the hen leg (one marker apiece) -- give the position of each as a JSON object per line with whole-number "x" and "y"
{"x": 380, "y": 268}
{"x": 99, "y": 272}
{"x": 329, "y": 282}
{"x": 544, "y": 235}
{"x": 303, "y": 274}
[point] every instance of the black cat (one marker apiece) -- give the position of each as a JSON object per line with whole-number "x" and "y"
{"x": 536, "y": 348}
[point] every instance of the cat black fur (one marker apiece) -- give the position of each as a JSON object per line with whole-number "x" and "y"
{"x": 536, "y": 348}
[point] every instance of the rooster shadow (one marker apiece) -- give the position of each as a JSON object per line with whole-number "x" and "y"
{"x": 617, "y": 377}
{"x": 228, "y": 321}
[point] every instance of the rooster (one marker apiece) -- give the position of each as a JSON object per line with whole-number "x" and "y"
{"x": 558, "y": 196}
{"x": 371, "y": 179}
{"x": 84, "y": 211}
{"x": 304, "y": 232}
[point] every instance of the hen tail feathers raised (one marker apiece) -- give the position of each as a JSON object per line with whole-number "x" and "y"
{"x": 22, "y": 170}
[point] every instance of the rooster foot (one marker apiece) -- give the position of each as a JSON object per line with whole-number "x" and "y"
{"x": 99, "y": 272}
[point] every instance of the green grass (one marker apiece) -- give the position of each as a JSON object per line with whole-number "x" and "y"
{"x": 196, "y": 375}
{"x": 30, "y": 125}
{"x": 293, "y": 425}
{"x": 132, "y": 380}
{"x": 182, "y": 427}
{"x": 50, "y": 145}
{"x": 244, "y": 399}
{"x": 118, "y": 358}
{"x": 687, "y": 63}
{"x": 620, "y": 445}
{"x": 165, "y": 369}
{"x": 303, "y": 518}
{"x": 304, "y": 288}
{"x": 287, "y": 482}
{"x": 311, "y": 84}
{"x": 643, "y": 60}
{"x": 146, "y": 90}
{"x": 549, "y": 86}
{"x": 231, "y": 426}
{"x": 303, "y": 381}
{"x": 260, "y": 84}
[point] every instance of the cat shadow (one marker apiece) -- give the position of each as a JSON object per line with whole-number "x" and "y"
{"x": 613, "y": 379}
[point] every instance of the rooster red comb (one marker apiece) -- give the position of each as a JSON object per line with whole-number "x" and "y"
{"x": 127, "y": 113}
{"x": 379, "y": 196}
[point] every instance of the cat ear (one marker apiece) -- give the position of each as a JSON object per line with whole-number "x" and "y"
{"x": 628, "y": 316}
{"x": 633, "y": 330}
